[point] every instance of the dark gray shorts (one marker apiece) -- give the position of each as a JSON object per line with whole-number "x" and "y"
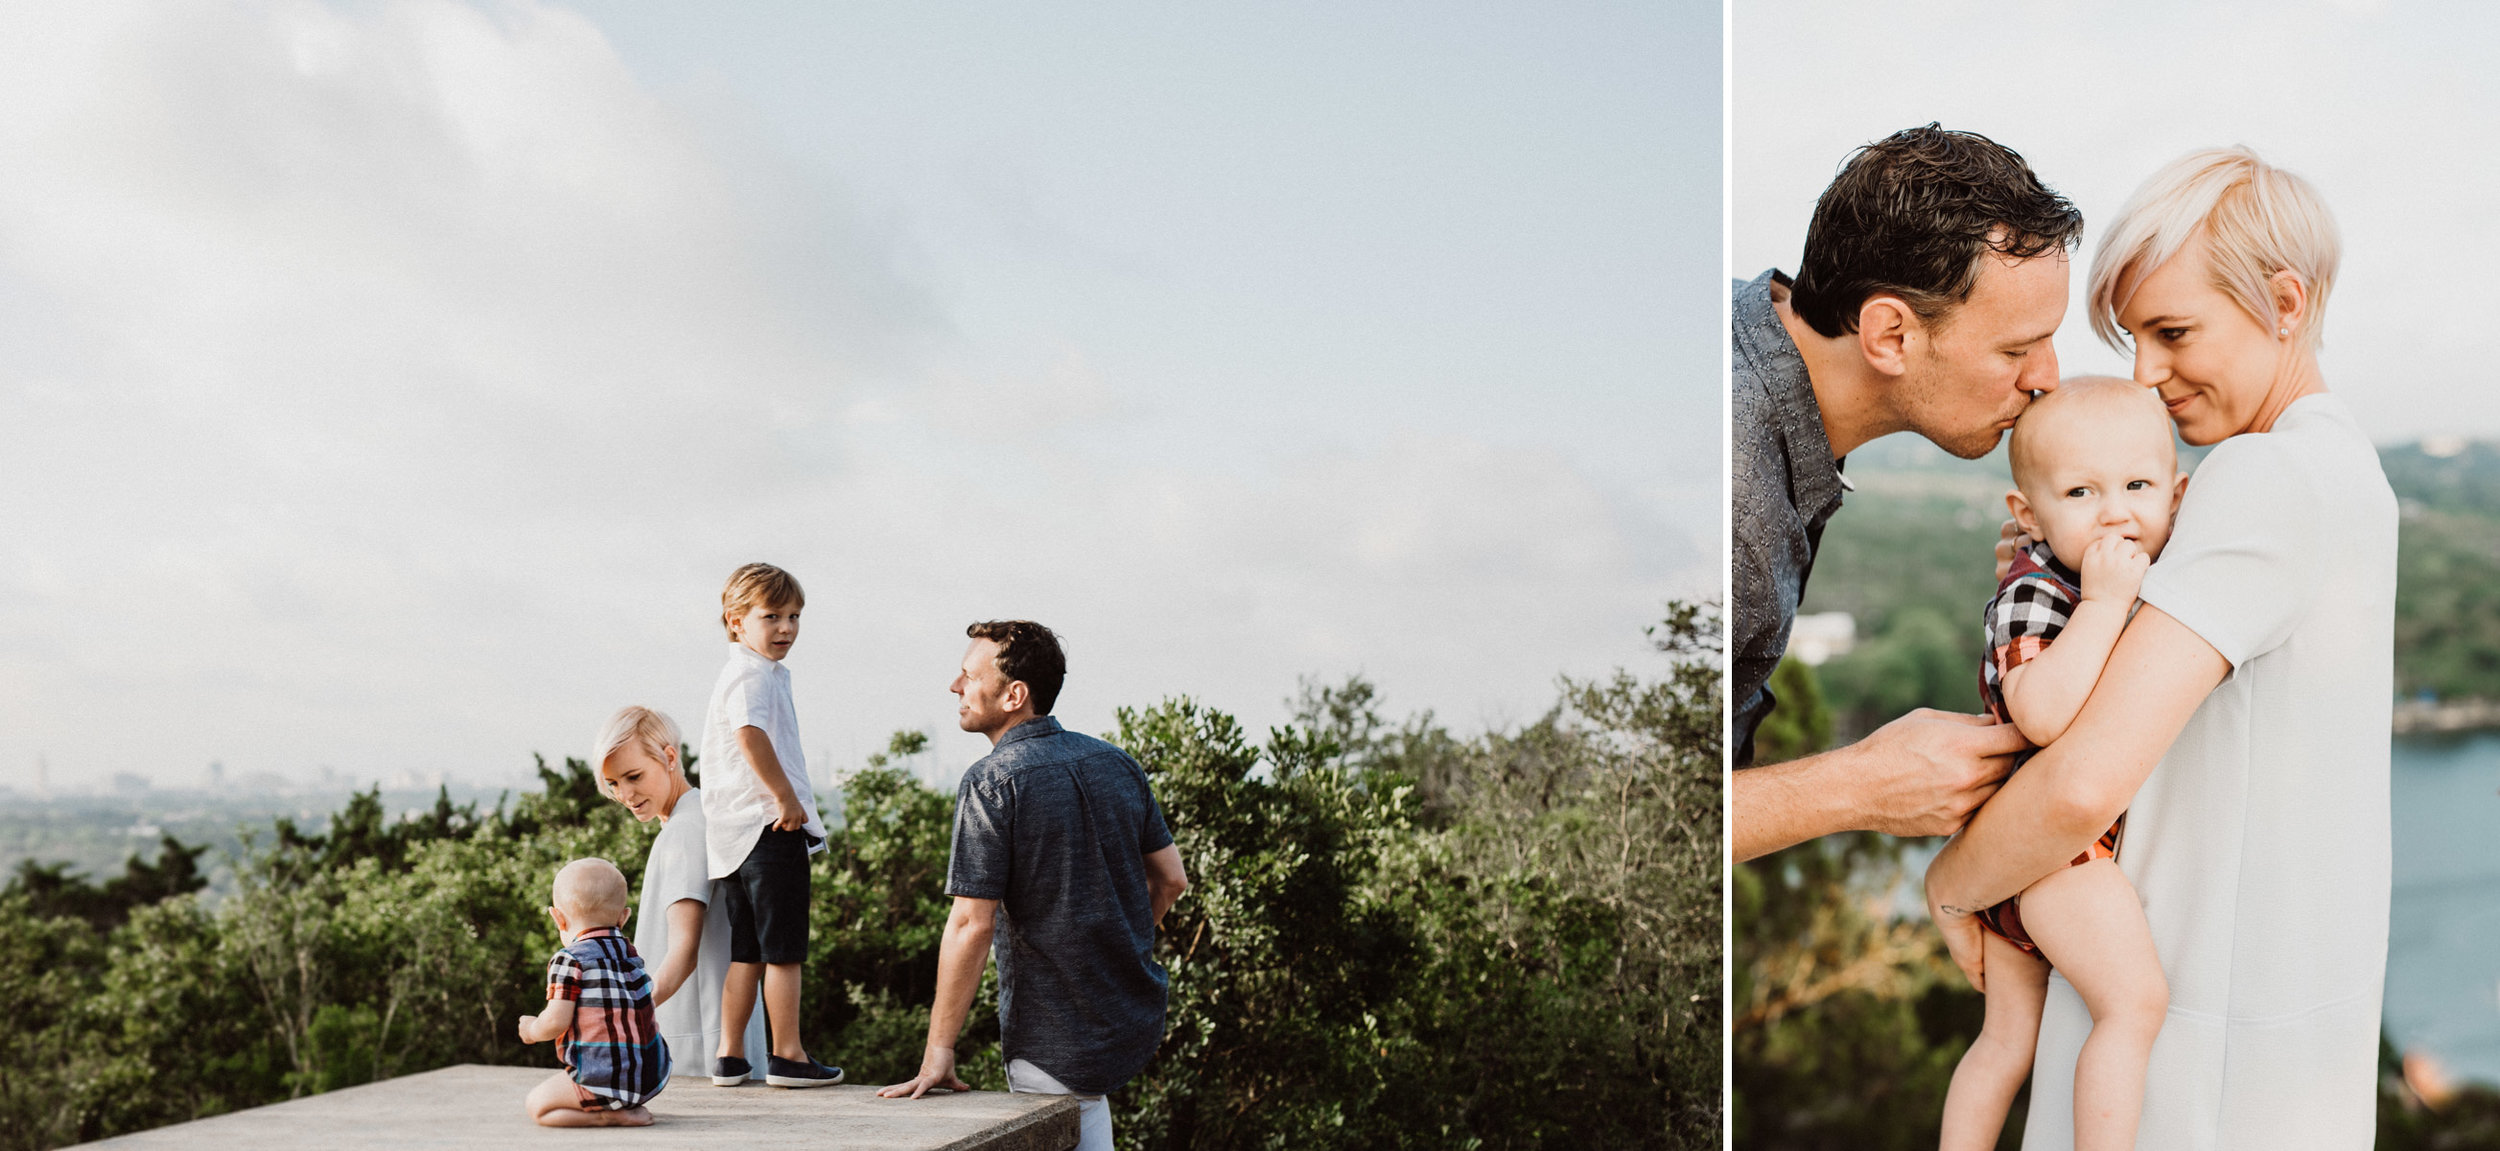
{"x": 767, "y": 900}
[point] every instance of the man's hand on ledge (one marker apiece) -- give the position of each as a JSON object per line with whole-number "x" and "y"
{"x": 937, "y": 1073}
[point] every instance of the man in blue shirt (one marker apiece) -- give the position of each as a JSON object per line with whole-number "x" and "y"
{"x": 1933, "y": 277}
{"x": 1061, "y": 858}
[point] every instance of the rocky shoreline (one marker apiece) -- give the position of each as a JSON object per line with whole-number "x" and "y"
{"x": 2418, "y": 716}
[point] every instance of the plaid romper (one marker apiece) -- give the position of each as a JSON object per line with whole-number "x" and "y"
{"x": 2031, "y": 607}
{"x": 613, "y": 1049}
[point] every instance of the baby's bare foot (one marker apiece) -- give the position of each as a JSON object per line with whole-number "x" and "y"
{"x": 630, "y": 1117}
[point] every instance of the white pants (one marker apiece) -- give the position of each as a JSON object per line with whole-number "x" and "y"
{"x": 1093, "y": 1115}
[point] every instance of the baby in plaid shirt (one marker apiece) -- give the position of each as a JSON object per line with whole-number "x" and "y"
{"x": 598, "y": 1010}
{"x": 2097, "y": 483}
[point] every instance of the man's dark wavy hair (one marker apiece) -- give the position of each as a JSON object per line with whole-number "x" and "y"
{"x": 1029, "y": 652}
{"x": 1910, "y": 215}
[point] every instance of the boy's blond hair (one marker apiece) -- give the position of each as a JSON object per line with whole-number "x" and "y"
{"x": 757, "y": 584}
{"x": 2257, "y": 220}
{"x": 592, "y": 893}
{"x": 2093, "y": 390}
{"x": 655, "y": 733}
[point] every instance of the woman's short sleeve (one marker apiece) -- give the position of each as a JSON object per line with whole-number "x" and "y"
{"x": 678, "y": 868}
{"x": 2241, "y": 566}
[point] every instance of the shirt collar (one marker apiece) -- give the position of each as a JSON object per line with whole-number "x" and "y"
{"x": 764, "y": 662}
{"x": 592, "y": 933}
{"x": 1814, "y": 480}
{"x": 2048, "y": 561}
{"x": 1029, "y": 729}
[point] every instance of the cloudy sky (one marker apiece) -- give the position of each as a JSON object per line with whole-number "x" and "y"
{"x": 2386, "y": 106}
{"x": 387, "y": 387}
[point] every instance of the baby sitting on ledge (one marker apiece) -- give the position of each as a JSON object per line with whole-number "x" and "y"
{"x": 598, "y": 1010}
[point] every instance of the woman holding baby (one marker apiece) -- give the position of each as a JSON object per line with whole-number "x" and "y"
{"x": 2241, "y": 721}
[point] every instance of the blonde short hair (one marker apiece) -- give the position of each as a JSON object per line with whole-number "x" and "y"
{"x": 652, "y": 731}
{"x": 757, "y": 584}
{"x": 592, "y": 892}
{"x": 2258, "y": 220}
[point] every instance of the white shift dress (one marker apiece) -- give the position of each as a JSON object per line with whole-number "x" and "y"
{"x": 690, "y": 1020}
{"x": 2260, "y": 844}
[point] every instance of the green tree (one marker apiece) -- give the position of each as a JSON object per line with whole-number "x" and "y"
{"x": 1800, "y": 724}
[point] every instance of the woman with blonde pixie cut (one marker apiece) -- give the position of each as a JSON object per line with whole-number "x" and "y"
{"x": 683, "y": 932}
{"x": 2241, "y": 722}
{"x": 2258, "y": 237}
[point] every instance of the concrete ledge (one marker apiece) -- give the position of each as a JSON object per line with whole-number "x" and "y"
{"x": 473, "y": 1105}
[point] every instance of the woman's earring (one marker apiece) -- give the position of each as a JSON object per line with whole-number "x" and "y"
{"x": 2286, "y": 333}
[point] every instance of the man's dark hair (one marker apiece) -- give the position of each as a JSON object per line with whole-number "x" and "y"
{"x": 1027, "y": 651}
{"x": 1910, "y": 215}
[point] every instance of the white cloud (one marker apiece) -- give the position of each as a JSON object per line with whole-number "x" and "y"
{"x": 390, "y": 388}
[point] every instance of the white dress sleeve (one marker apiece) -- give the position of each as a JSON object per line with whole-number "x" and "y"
{"x": 678, "y": 867}
{"x": 2241, "y": 565}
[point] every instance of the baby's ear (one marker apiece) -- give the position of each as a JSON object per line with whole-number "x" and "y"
{"x": 2020, "y": 509}
{"x": 2178, "y": 492}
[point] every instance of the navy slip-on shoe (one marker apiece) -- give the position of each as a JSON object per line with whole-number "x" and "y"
{"x": 782, "y": 1072}
{"x": 730, "y": 1071}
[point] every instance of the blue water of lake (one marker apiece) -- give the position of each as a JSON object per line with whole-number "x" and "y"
{"x": 2443, "y": 948}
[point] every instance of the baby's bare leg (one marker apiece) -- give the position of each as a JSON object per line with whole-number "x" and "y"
{"x": 555, "y": 1102}
{"x": 1994, "y": 1068}
{"x": 2087, "y": 921}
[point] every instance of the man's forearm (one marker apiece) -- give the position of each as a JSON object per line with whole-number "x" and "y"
{"x": 1921, "y": 774}
{"x": 962, "y": 953}
{"x": 1788, "y": 803}
{"x": 1166, "y": 879}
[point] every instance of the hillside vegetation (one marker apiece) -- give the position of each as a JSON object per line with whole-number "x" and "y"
{"x": 1396, "y": 937}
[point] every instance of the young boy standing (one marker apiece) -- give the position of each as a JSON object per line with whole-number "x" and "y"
{"x": 2097, "y": 485}
{"x": 598, "y": 1010}
{"x": 760, "y": 826}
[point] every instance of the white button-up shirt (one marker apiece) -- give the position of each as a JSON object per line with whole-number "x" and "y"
{"x": 752, "y": 692}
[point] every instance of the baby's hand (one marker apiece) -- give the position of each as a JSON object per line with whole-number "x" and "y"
{"x": 2113, "y": 569}
{"x": 529, "y": 1029}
